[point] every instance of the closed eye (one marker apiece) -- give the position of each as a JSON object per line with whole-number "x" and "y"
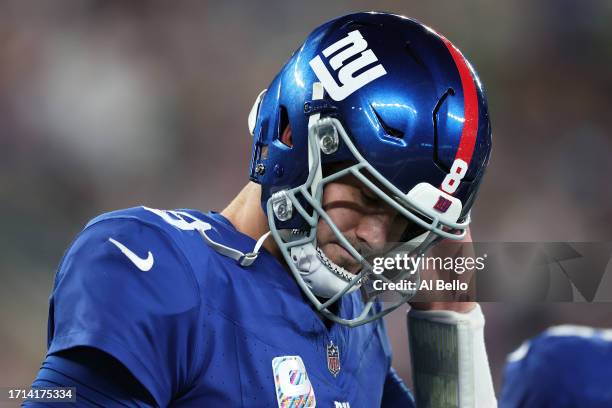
{"x": 369, "y": 197}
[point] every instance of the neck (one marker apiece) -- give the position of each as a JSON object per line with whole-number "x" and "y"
{"x": 247, "y": 216}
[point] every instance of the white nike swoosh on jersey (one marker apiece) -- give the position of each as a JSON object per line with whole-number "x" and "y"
{"x": 144, "y": 265}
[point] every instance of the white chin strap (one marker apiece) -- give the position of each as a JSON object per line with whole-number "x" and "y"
{"x": 320, "y": 279}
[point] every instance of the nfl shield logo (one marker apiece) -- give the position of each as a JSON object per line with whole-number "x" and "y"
{"x": 333, "y": 359}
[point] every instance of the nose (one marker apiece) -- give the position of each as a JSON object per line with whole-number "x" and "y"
{"x": 373, "y": 230}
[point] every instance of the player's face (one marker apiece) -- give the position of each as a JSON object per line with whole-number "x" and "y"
{"x": 366, "y": 221}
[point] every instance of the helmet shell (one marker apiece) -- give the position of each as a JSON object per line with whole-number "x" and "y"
{"x": 410, "y": 124}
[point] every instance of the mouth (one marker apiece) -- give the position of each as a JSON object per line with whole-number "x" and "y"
{"x": 337, "y": 269}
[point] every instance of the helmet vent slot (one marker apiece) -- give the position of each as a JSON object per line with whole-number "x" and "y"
{"x": 451, "y": 92}
{"x": 390, "y": 131}
{"x": 356, "y": 25}
{"x": 408, "y": 48}
{"x": 353, "y": 25}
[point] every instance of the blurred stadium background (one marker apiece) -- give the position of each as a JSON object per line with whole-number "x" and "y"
{"x": 112, "y": 104}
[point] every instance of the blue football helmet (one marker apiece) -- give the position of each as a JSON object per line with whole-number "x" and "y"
{"x": 398, "y": 102}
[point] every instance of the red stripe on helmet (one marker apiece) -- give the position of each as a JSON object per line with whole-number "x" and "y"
{"x": 470, "y": 105}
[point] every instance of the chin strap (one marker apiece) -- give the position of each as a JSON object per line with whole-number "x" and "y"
{"x": 239, "y": 256}
{"x": 320, "y": 279}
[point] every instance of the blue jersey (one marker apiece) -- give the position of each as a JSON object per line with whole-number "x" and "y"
{"x": 197, "y": 329}
{"x": 565, "y": 367}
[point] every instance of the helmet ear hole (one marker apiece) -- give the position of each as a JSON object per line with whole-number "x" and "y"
{"x": 287, "y": 137}
{"x": 284, "y": 128}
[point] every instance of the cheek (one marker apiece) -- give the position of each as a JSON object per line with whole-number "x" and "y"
{"x": 343, "y": 218}
{"x": 396, "y": 229}
{"x": 335, "y": 199}
{"x": 324, "y": 233}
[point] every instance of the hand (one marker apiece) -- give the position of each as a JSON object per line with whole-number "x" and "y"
{"x": 433, "y": 300}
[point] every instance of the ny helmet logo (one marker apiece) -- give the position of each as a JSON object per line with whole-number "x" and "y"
{"x": 443, "y": 204}
{"x": 345, "y": 49}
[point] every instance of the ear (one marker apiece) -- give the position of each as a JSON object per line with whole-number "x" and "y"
{"x": 287, "y": 136}
{"x": 252, "y": 120}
